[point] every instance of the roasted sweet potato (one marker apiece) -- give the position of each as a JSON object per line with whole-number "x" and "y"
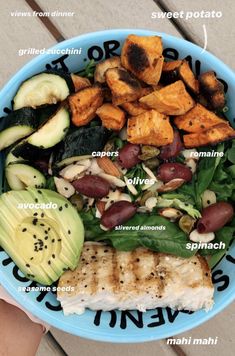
{"x": 197, "y": 119}
{"x": 170, "y": 100}
{"x": 179, "y": 69}
{"x": 100, "y": 69}
{"x": 210, "y": 136}
{"x": 80, "y": 82}
{"x": 213, "y": 89}
{"x": 123, "y": 86}
{"x": 150, "y": 128}
{"x": 188, "y": 77}
{"x": 84, "y": 103}
{"x": 135, "y": 108}
{"x": 111, "y": 116}
{"x": 142, "y": 56}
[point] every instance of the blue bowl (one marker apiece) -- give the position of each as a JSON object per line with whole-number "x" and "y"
{"x": 115, "y": 326}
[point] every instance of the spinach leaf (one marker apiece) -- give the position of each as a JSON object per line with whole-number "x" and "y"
{"x": 226, "y": 235}
{"x": 168, "y": 239}
{"x": 206, "y": 171}
{"x": 231, "y": 153}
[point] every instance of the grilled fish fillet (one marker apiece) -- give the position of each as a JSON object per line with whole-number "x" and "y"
{"x": 107, "y": 279}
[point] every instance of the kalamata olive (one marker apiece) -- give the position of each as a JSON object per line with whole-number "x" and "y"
{"x": 214, "y": 217}
{"x": 92, "y": 186}
{"x": 118, "y": 213}
{"x": 128, "y": 155}
{"x": 42, "y": 165}
{"x": 173, "y": 149}
{"x": 169, "y": 171}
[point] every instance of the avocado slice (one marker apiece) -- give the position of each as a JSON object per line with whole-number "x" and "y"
{"x": 42, "y": 232}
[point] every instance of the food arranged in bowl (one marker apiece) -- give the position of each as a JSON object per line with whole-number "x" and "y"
{"x": 136, "y": 155}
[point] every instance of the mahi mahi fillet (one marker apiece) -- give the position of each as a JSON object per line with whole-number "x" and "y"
{"x": 107, "y": 279}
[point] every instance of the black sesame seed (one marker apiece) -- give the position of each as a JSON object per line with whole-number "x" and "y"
{"x": 24, "y": 230}
{"x": 93, "y": 257}
{"x": 64, "y": 269}
{"x": 85, "y": 286}
{"x": 66, "y": 188}
{"x": 53, "y": 256}
{"x": 53, "y": 240}
{"x": 31, "y": 258}
{"x": 27, "y": 265}
{"x": 49, "y": 228}
{"x": 46, "y": 238}
{"x": 60, "y": 208}
{"x": 106, "y": 251}
{"x": 69, "y": 232}
{"x": 49, "y": 262}
{"x": 39, "y": 192}
{"x": 42, "y": 215}
{"x": 36, "y": 200}
{"x": 206, "y": 274}
{"x": 121, "y": 282}
{"x": 35, "y": 214}
{"x": 34, "y": 177}
{"x": 35, "y": 221}
{"x": 42, "y": 224}
{"x": 152, "y": 274}
{"x": 103, "y": 288}
{"x": 45, "y": 247}
{"x": 59, "y": 240}
{"x": 161, "y": 277}
{"x": 66, "y": 205}
{"x": 88, "y": 249}
{"x": 208, "y": 201}
{"x": 40, "y": 249}
{"x": 137, "y": 260}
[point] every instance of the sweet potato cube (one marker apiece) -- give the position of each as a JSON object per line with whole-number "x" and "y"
{"x": 100, "y": 69}
{"x": 80, "y": 82}
{"x": 112, "y": 117}
{"x": 84, "y": 103}
{"x": 150, "y": 128}
{"x": 212, "y": 135}
{"x": 124, "y": 87}
{"x": 173, "y": 99}
{"x": 197, "y": 119}
{"x": 142, "y": 55}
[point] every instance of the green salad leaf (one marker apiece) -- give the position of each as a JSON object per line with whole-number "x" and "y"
{"x": 178, "y": 204}
{"x": 150, "y": 231}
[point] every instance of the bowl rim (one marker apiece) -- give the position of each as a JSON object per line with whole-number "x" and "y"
{"x": 30, "y": 305}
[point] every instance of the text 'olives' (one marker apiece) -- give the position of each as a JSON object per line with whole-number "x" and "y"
{"x": 169, "y": 171}
{"x": 92, "y": 186}
{"x": 214, "y": 217}
{"x": 117, "y": 214}
{"x": 128, "y": 155}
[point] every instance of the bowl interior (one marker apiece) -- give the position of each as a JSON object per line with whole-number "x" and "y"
{"x": 115, "y": 326}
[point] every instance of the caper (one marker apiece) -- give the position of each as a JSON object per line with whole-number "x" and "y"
{"x": 148, "y": 152}
{"x": 186, "y": 223}
{"x": 77, "y": 201}
{"x": 110, "y": 146}
{"x": 147, "y": 194}
{"x": 152, "y": 163}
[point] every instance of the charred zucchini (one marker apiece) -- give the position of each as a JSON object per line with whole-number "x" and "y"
{"x": 44, "y": 88}
{"x": 47, "y": 136}
{"x": 82, "y": 141}
{"x": 18, "y": 124}
{"x": 19, "y": 176}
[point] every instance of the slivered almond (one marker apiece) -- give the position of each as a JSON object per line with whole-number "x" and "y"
{"x": 108, "y": 166}
{"x": 100, "y": 206}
